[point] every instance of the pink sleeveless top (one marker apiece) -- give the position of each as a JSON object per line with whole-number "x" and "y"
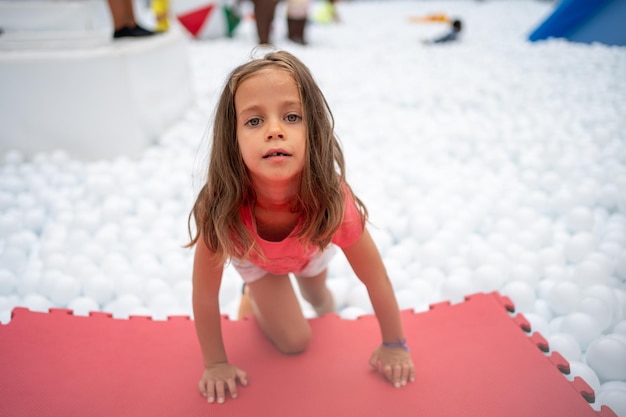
{"x": 289, "y": 255}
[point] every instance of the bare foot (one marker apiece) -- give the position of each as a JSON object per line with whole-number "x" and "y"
{"x": 326, "y": 306}
{"x": 245, "y": 305}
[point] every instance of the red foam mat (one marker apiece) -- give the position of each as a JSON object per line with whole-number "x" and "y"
{"x": 472, "y": 359}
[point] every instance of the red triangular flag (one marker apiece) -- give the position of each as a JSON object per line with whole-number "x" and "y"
{"x": 194, "y": 20}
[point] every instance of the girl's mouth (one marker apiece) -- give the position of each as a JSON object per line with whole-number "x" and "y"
{"x": 275, "y": 153}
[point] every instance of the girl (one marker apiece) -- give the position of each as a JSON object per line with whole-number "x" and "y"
{"x": 276, "y": 202}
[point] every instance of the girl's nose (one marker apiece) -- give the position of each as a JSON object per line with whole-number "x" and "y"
{"x": 274, "y": 132}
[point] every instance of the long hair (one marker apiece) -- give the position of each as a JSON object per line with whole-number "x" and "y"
{"x": 216, "y": 211}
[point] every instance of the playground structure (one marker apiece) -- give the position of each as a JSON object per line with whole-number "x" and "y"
{"x": 585, "y": 21}
{"x": 67, "y": 85}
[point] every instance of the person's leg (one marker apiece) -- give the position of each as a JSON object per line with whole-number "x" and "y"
{"x": 278, "y": 312}
{"x": 297, "y": 15}
{"x": 315, "y": 291}
{"x": 122, "y": 13}
{"x": 264, "y": 16}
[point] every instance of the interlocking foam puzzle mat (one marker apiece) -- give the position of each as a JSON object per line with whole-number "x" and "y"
{"x": 475, "y": 358}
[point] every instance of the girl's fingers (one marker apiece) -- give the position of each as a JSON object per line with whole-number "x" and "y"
{"x": 243, "y": 377}
{"x": 374, "y": 361}
{"x": 220, "y": 392}
{"x": 397, "y": 375}
{"x": 210, "y": 391}
{"x": 406, "y": 373}
{"x": 202, "y": 388}
{"x": 232, "y": 387}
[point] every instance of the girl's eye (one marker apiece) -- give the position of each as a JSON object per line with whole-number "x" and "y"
{"x": 253, "y": 122}
{"x": 292, "y": 117}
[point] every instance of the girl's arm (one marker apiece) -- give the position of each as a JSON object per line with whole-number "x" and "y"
{"x": 394, "y": 362}
{"x": 218, "y": 375}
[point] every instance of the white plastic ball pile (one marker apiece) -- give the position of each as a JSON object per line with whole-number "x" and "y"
{"x": 485, "y": 167}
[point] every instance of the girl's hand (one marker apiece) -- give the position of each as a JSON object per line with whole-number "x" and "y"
{"x": 395, "y": 364}
{"x": 218, "y": 378}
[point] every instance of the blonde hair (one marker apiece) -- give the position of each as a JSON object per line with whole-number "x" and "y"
{"x": 216, "y": 211}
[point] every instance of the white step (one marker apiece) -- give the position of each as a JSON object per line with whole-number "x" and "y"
{"x": 94, "y": 98}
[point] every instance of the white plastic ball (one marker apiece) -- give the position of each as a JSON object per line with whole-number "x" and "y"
{"x": 538, "y": 324}
{"x": 551, "y": 256}
{"x": 13, "y": 259}
{"x": 543, "y": 309}
{"x": 142, "y": 311}
{"x": 614, "y": 399}
{"x": 407, "y": 299}
{"x": 64, "y": 289}
{"x": 399, "y": 227}
{"x": 456, "y": 287}
{"x": 123, "y": 305}
{"x": 8, "y": 282}
{"x": 582, "y": 327}
{"x": 163, "y": 304}
{"x": 24, "y": 239}
{"x": 620, "y": 328}
{"x": 580, "y": 219}
{"x": 434, "y": 276}
{"x": 588, "y": 273}
{"x": 99, "y": 288}
{"x": 566, "y": 345}
{"x": 82, "y": 306}
{"x": 583, "y": 371}
{"x": 607, "y": 357}
{"x": 432, "y": 254}
{"x": 528, "y": 240}
{"x": 578, "y": 247}
{"x": 155, "y": 286}
{"x": 128, "y": 283}
{"x": 526, "y": 273}
{"x": 598, "y": 309}
{"x": 543, "y": 288}
{"x": 352, "y": 313}
{"x": 620, "y": 265}
{"x": 383, "y": 239}
{"x": 402, "y": 253}
{"x": 10, "y": 222}
{"x": 564, "y": 297}
{"x": 477, "y": 254}
{"x": 555, "y": 324}
{"x": 37, "y": 302}
{"x": 423, "y": 227}
{"x": 115, "y": 263}
{"x": 358, "y": 297}
{"x": 488, "y": 278}
{"x": 522, "y": 295}
{"x": 183, "y": 291}
{"x": 425, "y": 292}
{"x": 557, "y": 273}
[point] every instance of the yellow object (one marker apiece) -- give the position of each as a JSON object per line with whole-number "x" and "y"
{"x": 161, "y": 9}
{"x": 325, "y": 13}
{"x": 436, "y": 17}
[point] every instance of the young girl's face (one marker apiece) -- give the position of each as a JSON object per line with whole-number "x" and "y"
{"x": 270, "y": 128}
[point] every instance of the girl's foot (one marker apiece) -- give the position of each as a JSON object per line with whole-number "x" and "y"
{"x": 326, "y": 306}
{"x": 245, "y": 305}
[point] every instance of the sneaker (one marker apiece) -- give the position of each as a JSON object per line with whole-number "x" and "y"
{"x": 132, "y": 32}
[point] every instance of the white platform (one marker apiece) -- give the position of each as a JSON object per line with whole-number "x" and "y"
{"x": 74, "y": 88}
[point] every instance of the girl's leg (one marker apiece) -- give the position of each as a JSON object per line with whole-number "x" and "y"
{"x": 278, "y": 312}
{"x": 315, "y": 291}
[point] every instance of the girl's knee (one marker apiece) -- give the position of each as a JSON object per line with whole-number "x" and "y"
{"x": 294, "y": 342}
